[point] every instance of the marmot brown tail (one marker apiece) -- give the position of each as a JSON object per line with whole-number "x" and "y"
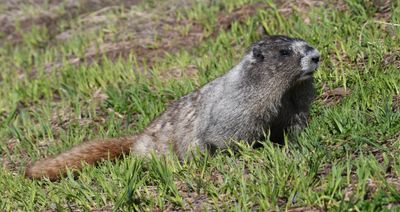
{"x": 75, "y": 158}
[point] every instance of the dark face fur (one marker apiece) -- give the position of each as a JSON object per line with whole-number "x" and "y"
{"x": 284, "y": 59}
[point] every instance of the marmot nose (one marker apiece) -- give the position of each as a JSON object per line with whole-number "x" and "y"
{"x": 315, "y": 59}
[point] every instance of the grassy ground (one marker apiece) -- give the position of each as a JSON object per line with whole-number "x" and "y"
{"x": 78, "y": 70}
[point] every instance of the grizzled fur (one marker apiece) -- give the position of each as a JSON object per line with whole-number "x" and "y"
{"x": 268, "y": 92}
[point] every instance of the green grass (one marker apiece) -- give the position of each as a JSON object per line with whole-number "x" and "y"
{"x": 348, "y": 157}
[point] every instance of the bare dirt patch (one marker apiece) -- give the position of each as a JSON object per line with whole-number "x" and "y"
{"x": 395, "y": 181}
{"x": 391, "y": 58}
{"x": 331, "y": 97}
{"x": 288, "y": 7}
{"x": 304, "y": 209}
{"x": 241, "y": 14}
{"x": 382, "y": 8}
{"x": 396, "y": 103}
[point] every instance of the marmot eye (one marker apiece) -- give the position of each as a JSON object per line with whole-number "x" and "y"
{"x": 285, "y": 52}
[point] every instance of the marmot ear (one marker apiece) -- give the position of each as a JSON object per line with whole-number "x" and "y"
{"x": 257, "y": 53}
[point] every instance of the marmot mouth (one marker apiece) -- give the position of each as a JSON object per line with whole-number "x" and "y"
{"x": 305, "y": 75}
{"x": 308, "y": 73}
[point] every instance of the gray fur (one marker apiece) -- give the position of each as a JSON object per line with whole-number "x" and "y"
{"x": 270, "y": 90}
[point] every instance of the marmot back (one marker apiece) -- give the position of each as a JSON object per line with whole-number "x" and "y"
{"x": 269, "y": 91}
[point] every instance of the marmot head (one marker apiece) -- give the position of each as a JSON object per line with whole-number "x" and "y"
{"x": 282, "y": 58}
